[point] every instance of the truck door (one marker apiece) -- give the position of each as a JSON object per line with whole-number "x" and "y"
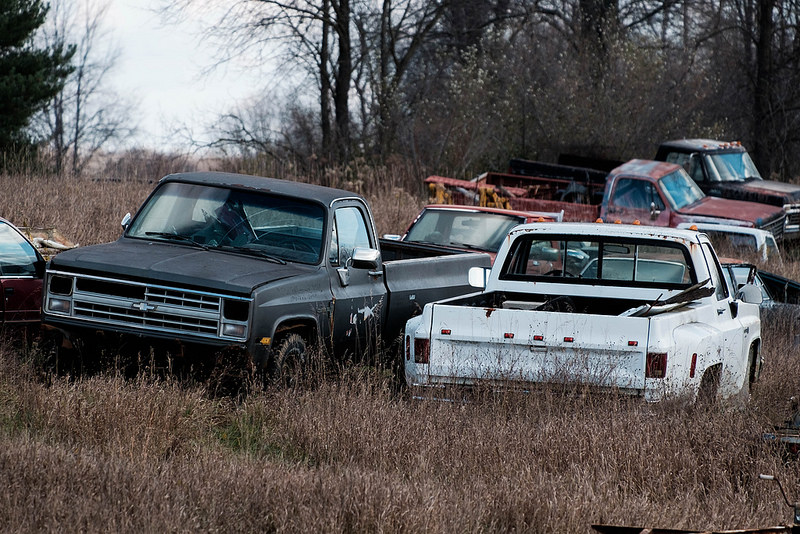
{"x": 734, "y": 360}
{"x": 22, "y": 300}
{"x": 21, "y": 271}
{"x": 358, "y": 293}
{"x": 633, "y": 199}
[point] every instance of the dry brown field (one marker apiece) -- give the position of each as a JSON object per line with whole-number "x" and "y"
{"x": 353, "y": 452}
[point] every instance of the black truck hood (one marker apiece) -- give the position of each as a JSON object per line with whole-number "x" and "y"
{"x": 762, "y": 191}
{"x": 176, "y": 264}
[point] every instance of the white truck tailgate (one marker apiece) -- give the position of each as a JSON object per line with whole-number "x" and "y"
{"x": 539, "y": 346}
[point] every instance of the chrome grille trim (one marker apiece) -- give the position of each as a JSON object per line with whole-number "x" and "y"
{"x": 792, "y": 218}
{"x": 162, "y": 309}
{"x": 776, "y": 227}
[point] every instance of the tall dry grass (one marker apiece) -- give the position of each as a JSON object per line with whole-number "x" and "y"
{"x": 352, "y": 454}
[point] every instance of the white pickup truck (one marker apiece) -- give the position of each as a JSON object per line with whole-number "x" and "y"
{"x": 641, "y": 310}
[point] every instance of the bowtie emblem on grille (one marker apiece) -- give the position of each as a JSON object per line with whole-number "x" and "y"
{"x": 143, "y": 306}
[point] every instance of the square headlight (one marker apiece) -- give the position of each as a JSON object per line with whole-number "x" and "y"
{"x": 234, "y": 330}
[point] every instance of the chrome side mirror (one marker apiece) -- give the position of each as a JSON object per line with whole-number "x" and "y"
{"x": 654, "y": 213}
{"x": 750, "y": 294}
{"x": 365, "y": 258}
{"x": 478, "y": 276}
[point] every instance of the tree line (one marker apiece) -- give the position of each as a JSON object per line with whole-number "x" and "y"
{"x": 454, "y": 85}
{"x": 465, "y": 84}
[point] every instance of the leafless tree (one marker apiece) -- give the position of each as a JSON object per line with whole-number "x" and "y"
{"x": 311, "y": 38}
{"x": 86, "y": 115}
{"x": 358, "y": 52}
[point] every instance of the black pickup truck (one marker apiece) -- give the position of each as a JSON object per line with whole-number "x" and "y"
{"x": 268, "y": 266}
{"x": 725, "y": 169}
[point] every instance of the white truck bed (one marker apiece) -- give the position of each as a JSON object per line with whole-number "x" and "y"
{"x": 581, "y": 328}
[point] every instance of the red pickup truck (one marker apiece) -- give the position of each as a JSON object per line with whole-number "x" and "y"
{"x": 650, "y": 192}
{"x": 21, "y": 273}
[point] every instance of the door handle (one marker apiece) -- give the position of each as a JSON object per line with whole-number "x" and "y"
{"x": 8, "y": 291}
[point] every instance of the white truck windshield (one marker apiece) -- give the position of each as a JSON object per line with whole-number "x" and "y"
{"x": 537, "y": 257}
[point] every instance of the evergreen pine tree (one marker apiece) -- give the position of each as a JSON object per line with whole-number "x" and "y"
{"x": 29, "y": 77}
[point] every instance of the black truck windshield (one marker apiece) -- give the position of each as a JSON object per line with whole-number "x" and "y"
{"x": 220, "y": 218}
{"x": 731, "y": 167}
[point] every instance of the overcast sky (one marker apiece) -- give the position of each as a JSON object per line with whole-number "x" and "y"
{"x": 160, "y": 69}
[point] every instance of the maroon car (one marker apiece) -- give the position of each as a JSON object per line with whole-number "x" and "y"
{"x": 21, "y": 274}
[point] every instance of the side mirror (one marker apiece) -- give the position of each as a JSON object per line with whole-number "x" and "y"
{"x": 654, "y": 213}
{"x": 40, "y": 266}
{"x": 750, "y": 294}
{"x": 478, "y": 276}
{"x": 126, "y": 221}
{"x": 365, "y": 258}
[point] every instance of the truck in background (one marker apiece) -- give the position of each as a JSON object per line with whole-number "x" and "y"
{"x": 650, "y": 192}
{"x": 725, "y": 169}
{"x": 759, "y": 245}
{"x": 471, "y": 228}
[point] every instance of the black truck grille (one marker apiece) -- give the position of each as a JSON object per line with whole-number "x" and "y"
{"x": 148, "y": 307}
{"x": 792, "y": 226}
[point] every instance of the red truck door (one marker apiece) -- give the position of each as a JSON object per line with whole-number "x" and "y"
{"x": 22, "y": 300}
{"x": 21, "y": 269}
{"x": 634, "y": 199}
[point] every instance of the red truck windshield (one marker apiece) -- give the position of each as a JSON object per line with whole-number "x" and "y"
{"x": 680, "y": 190}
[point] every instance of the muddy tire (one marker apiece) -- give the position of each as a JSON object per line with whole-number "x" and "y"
{"x": 290, "y": 362}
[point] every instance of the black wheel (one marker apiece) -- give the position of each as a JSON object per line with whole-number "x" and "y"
{"x": 290, "y": 361}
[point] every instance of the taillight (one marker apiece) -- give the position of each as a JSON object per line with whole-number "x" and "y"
{"x": 693, "y": 368}
{"x": 422, "y": 349}
{"x": 656, "y": 366}
{"x": 408, "y": 348}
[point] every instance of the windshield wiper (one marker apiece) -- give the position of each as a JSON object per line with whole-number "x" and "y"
{"x": 176, "y": 237}
{"x": 251, "y": 252}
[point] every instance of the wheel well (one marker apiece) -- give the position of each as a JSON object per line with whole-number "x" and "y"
{"x": 754, "y": 367}
{"x": 709, "y": 384}
{"x": 306, "y": 329}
